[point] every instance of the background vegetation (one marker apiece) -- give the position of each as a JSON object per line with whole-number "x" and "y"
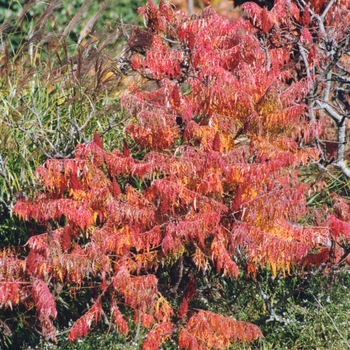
{"x": 55, "y": 92}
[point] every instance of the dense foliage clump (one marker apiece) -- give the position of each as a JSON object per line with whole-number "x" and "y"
{"x": 208, "y": 181}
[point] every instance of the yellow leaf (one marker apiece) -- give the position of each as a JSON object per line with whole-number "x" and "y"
{"x": 273, "y": 268}
{"x": 95, "y": 216}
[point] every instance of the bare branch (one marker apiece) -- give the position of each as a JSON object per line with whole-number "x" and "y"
{"x": 303, "y": 55}
{"x": 324, "y": 14}
{"x": 330, "y": 111}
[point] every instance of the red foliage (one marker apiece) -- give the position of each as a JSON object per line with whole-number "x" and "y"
{"x": 190, "y": 289}
{"x": 340, "y": 230}
{"x": 190, "y": 292}
{"x": 207, "y": 330}
{"x": 183, "y": 308}
{"x": 44, "y": 301}
{"x": 45, "y": 307}
{"x": 159, "y": 333}
{"x": 317, "y": 259}
{"x": 81, "y": 327}
{"x": 219, "y": 181}
{"x": 10, "y": 294}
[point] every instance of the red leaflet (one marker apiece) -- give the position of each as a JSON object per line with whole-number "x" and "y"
{"x": 306, "y": 36}
{"x": 305, "y": 17}
{"x": 45, "y": 307}
{"x": 44, "y": 301}
{"x": 126, "y": 152}
{"x": 97, "y": 140}
{"x": 183, "y": 308}
{"x": 115, "y": 189}
{"x": 81, "y": 327}
{"x": 266, "y": 20}
{"x": 118, "y": 319}
{"x": 190, "y": 289}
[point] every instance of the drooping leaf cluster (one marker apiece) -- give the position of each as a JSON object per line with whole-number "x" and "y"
{"x": 225, "y": 126}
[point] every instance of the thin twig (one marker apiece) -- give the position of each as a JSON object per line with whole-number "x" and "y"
{"x": 330, "y": 317}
